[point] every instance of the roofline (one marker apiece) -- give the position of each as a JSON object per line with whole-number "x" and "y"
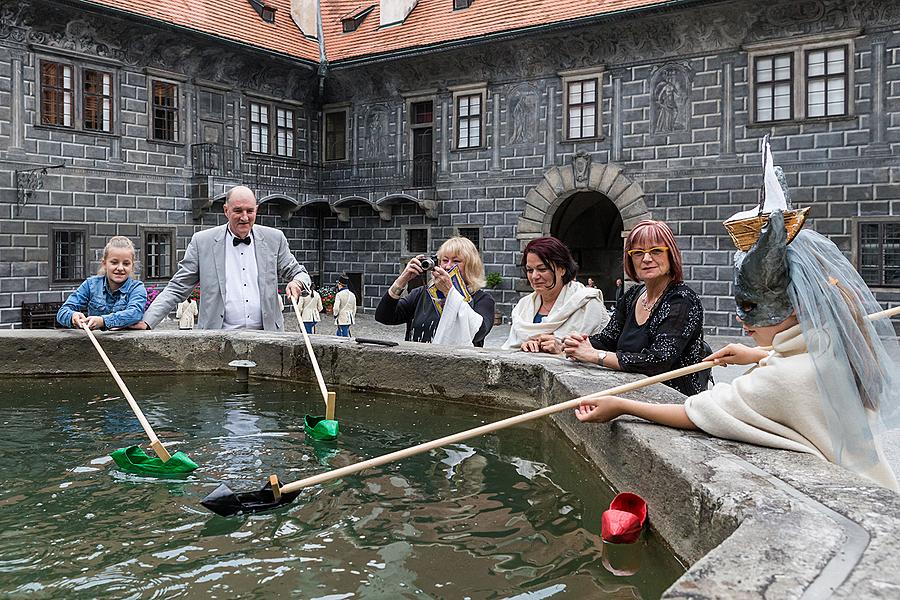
{"x": 508, "y": 34}
{"x": 160, "y": 23}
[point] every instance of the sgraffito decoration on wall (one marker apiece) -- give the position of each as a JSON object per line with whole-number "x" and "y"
{"x": 670, "y": 98}
{"x": 376, "y": 131}
{"x": 522, "y": 119}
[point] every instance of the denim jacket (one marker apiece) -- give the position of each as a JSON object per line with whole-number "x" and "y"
{"x": 121, "y": 308}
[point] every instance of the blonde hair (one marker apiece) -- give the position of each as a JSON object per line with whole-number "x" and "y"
{"x": 466, "y": 250}
{"x": 117, "y": 242}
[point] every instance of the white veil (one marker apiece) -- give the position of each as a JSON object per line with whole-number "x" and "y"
{"x": 853, "y": 356}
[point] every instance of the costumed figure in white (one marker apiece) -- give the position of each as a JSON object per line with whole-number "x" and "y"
{"x": 828, "y": 386}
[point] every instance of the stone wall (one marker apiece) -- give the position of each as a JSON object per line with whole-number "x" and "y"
{"x": 692, "y": 168}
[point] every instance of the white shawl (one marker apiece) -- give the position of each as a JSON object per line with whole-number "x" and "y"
{"x": 459, "y": 322}
{"x": 777, "y": 405}
{"x": 578, "y": 309}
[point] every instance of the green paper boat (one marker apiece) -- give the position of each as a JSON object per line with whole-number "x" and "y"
{"x": 320, "y": 428}
{"x": 133, "y": 459}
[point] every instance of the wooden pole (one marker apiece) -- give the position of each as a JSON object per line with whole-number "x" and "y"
{"x": 157, "y": 446}
{"x": 490, "y": 427}
{"x": 312, "y": 357}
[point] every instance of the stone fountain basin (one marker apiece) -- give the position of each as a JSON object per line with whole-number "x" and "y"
{"x": 749, "y": 521}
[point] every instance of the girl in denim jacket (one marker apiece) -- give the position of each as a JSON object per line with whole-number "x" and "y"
{"x": 111, "y": 299}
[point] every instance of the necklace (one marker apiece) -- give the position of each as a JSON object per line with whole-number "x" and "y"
{"x": 647, "y": 305}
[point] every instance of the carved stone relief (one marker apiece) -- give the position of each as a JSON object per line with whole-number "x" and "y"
{"x": 522, "y": 116}
{"x": 670, "y": 98}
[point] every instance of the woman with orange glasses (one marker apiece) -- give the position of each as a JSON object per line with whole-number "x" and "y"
{"x": 657, "y": 325}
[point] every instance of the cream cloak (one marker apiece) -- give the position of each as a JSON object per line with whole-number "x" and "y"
{"x": 310, "y": 307}
{"x": 578, "y": 309}
{"x": 778, "y": 405}
{"x": 344, "y": 307}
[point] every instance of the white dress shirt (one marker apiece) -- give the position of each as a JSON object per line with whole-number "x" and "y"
{"x": 242, "y": 309}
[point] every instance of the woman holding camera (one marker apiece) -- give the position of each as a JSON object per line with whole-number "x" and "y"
{"x": 452, "y": 308}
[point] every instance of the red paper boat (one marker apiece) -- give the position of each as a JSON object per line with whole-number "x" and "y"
{"x": 624, "y": 521}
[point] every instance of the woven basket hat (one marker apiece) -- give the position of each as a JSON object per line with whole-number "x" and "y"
{"x": 744, "y": 227}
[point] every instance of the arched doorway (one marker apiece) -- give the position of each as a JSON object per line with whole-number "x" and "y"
{"x": 590, "y": 224}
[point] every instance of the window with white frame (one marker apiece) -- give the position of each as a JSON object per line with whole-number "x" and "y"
{"x": 826, "y": 82}
{"x": 794, "y": 82}
{"x": 96, "y": 100}
{"x": 80, "y": 99}
{"x": 284, "y": 131}
{"x": 336, "y": 135}
{"x": 581, "y": 103}
{"x": 469, "y": 111}
{"x": 259, "y": 127}
{"x": 57, "y": 102}
{"x": 581, "y": 114}
{"x": 774, "y": 87}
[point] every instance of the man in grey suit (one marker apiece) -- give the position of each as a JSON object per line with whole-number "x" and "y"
{"x": 238, "y": 267}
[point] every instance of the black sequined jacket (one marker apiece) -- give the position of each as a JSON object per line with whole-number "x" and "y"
{"x": 675, "y": 329}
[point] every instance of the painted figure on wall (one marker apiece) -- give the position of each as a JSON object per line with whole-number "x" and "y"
{"x": 376, "y": 128}
{"x": 522, "y": 123}
{"x": 670, "y": 99}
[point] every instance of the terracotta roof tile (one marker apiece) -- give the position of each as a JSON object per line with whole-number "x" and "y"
{"x": 435, "y": 21}
{"x": 232, "y": 19}
{"x": 430, "y": 22}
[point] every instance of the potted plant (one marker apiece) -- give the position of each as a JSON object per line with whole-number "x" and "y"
{"x": 327, "y": 294}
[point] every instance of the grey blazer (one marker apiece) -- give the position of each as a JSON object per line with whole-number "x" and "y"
{"x": 204, "y": 263}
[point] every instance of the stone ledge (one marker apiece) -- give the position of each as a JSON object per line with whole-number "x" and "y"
{"x": 752, "y": 522}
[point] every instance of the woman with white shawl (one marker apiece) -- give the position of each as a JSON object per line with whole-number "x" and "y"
{"x": 558, "y": 306}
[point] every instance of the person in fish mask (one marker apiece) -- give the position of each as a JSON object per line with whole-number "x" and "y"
{"x": 827, "y": 386}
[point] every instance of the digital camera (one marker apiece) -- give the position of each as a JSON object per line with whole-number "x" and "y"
{"x": 428, "y": 263}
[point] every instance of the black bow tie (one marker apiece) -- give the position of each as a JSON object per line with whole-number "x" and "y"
{"x": 238, "y": 241}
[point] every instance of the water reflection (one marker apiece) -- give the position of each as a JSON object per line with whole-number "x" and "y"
{"x": 503, "y": 516}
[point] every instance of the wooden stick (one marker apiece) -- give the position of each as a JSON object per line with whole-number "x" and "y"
{"x": 490, "y": 427}
{"x": 883, "y": 314}
{"x": 312, "y": 355}
{"x": 157, "y": 446}
{"x": 329, "y": 406}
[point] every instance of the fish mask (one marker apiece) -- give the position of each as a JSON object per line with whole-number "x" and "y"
{"x": 761, "y": 277}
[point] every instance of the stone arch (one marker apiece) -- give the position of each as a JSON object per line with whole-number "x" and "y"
{"x": 341, "y": 208}
{"x": 427, "y": 205}
{"x": 287, "y": 206}
{"x": 561, "y": 182}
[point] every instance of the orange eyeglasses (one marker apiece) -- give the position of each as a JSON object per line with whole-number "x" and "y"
{"x": 654, "y": 252}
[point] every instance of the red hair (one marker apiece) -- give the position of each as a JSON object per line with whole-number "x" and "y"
{"x": 647, "y": 233}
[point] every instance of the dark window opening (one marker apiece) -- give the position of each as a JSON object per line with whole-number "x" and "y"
{"x": 460, "y": 4}
{"x": 336, "y": 135}
{"x": 879, "y": 253}
{"x": 473, "y": 233}
{"x": 158, "y": 254}
{"x": 69, "y": 255}
{"x": 417, "y": 241}
{"x": 165, "y": 111}
{"x": 266, "y": 12}
{"x": 351, "y": 22}
{"x": 211, "y": 104}
{"x": 422, "y": 113}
